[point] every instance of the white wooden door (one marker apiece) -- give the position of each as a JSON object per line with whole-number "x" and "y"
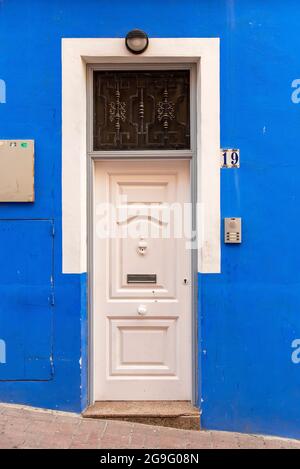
{"x": 142, "y": 281}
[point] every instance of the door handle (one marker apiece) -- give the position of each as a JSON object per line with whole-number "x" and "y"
{"x": 142, "y": 310}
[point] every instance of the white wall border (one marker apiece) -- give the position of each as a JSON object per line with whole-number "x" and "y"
{"x": 76, "y": 54}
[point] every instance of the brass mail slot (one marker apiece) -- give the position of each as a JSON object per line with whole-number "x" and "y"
{"x": 141, "y": 278}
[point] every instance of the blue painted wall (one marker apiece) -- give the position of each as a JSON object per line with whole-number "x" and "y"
{"x": 250, "y": 314}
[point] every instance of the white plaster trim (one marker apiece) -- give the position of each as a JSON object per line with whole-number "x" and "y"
{"x": 76, "y": 53}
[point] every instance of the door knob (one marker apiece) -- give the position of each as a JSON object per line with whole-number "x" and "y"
{"x": 142, "y": 310}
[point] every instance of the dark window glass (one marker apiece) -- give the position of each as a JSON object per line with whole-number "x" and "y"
{"x": 146, "y": 110}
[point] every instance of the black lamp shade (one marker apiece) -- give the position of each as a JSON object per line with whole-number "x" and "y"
{"x": 136, "y": 41}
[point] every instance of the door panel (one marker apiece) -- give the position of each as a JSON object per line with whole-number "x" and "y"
{"x": 142, "y": 348}
{"x": 134, "y": 222}
{"x": 142, "y": 305}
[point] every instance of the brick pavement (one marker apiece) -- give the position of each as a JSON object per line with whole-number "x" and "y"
{"x": 24, "y": 427}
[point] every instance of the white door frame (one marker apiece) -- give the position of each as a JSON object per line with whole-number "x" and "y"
{"x": 77, "y": 174}
{"x": 93, "y": 156}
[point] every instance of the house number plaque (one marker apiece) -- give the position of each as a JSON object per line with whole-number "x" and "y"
{"x": 230, "y": 158}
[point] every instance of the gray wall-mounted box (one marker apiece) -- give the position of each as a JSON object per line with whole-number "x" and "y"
{"x": 16, "y": 171}
{"x": 233, "y": 230}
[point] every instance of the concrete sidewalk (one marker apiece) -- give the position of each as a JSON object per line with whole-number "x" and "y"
{"x": 24, "y": 427}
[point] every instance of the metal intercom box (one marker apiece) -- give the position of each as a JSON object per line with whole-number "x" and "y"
{"x": 233, "y": 230}
{"x": 16, "y": 171}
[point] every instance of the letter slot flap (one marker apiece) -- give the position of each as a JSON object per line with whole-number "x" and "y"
{"x": 141, "y": 278}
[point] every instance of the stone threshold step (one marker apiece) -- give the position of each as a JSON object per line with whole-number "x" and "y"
{"x": 176, "y": 414}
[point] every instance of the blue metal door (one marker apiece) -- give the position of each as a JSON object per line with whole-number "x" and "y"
{"x": 26, "y": 297}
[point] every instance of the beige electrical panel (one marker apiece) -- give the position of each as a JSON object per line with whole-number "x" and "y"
{"x": 16, "y": 171}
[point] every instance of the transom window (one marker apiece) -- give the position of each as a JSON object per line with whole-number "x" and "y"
{"x": 141, "y": 110}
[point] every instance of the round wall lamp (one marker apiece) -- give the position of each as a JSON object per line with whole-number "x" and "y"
{"x": 136, "y": 41}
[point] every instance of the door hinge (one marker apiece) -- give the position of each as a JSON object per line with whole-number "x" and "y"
{"x": 52, "y": 230}
{"x": 51, "y": 299}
